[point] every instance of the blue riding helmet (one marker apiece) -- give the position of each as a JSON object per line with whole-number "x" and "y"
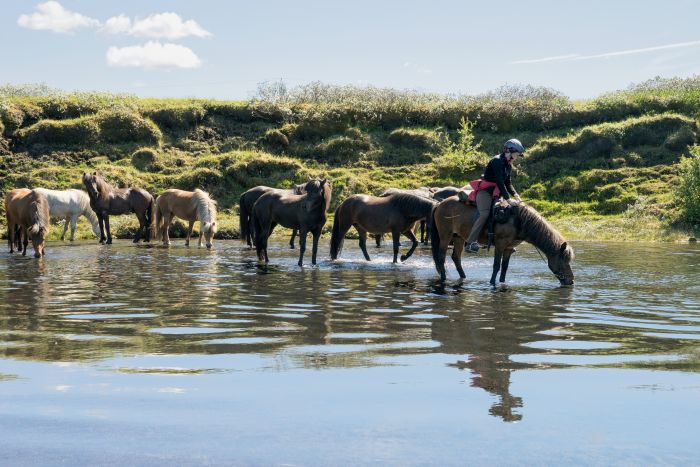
{"x": 514, "y": 145}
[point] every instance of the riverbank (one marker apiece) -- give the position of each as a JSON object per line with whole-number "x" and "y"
{"x": 606, "y": 168}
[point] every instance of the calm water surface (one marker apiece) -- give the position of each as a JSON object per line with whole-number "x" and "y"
{"x": 137, "y": 355}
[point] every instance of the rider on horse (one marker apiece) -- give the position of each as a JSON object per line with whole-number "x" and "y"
{"x": 493, "y": 184}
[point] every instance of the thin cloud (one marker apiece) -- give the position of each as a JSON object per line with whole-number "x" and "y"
{"x": 158, "y": 26}
{"x": 418, "y": 68}
{"x": 153, "y": 54}
{"x": 52, "y": 16}
{"x": 576, "y": 57}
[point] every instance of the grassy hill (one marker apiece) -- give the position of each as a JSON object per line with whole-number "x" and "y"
{"x": 603, "y": 168}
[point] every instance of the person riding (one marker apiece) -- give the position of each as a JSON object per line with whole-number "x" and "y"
{"x": 493, "y": 184}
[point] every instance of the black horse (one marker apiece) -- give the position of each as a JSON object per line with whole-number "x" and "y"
{"x": 246, "y": 203}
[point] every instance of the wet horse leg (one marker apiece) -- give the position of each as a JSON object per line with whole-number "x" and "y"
{"x": 101, "y": 221}
{"x": 457, "y": 249}
{"x": 142, "y": 227}
{"x": 396, "y": 237}
{"x": 73, "y": 223}
{"x": 314, "y": 248}
{"x": 414, "y": 243}
{"x": 165, "y": 234}
{"x": 362, "y": 234}
{"x": 302, "y": 245}
{"x": 496, "y": 264}
{"x": 291, "y": 240}
{"x": 378, "y": 239}
{"x": 442, "y": 253}
{"x": 189, "y": 233}
{"x": 11, "y": 236}
{"x": 25, "y": 240}
{"x": 504, "y": 263}
{"x": 65, "y": 228}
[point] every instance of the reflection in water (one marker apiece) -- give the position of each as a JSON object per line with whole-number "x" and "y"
{"x": 89, "y": 303}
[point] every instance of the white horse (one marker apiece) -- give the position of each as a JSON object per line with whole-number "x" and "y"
{"x": 69, "y": 205}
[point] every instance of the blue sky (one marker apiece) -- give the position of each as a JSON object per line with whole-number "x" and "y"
{"x": 222, "y": 49}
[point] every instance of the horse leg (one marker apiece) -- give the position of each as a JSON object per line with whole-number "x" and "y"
{"x": 302, "y": 245}
{"x": 25, "y": 240}
{"x": 65, "y": 227}
{"x": 316, "y": 234}
{"x": 165, "y": 226}
{"x": 11, "y": 236}
{"x": 291, "y": 240}
{"x": 445, "y": 241}
{"x": 504, "y": 263}
{"x": 396, "y": 237}
{"x": 378, "y": 239}
{"x": 109, "y": 234}
{"x": 189, "y": 233}
{"x": 457, "y": 250}
{"x": 496, "y": 265}
{"x": 73, "y": 224}
{"x": 423, "y": 238}
{"x": 142, "y": 227}
{"x": 363, "y": 241}
{"x": 100, "y": 221}
{"x": 414, "y": 243}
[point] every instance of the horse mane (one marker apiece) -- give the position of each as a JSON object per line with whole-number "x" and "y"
{"x": 324, "y": 188}
{"x": 327, "y": 194}
{"x": 103, "y": 188}
{"x": 410, "y": 203}
{"x": 205, "y": 206}
{"x": 539, "y": 232}
{"x": 39, "y": 211}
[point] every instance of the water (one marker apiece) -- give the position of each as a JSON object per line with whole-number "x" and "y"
{"x": 139, "y": 355}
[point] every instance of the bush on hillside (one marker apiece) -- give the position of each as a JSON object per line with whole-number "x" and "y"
{"x": 414, "y": 138}
{"x": 342, "y": 150}
{"x": 275, "y": 139}
{"x": 177, "y": 117}
{"x": 11, "y": 118}
{"x": 74, "y": 133}
{"x": 460, "y": 160}
{"x": 122, "y": 126}
{"x": 147, "y": 160}
{"x": 688, "y": 188}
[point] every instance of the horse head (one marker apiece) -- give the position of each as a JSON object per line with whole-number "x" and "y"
{"x": 209, "y": 229}
{"x": 317, "y": 192}
{"x": 559, "y": 264}
{"x": 90, "y": 182}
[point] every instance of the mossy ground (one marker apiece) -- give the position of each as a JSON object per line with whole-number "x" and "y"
{"x": 600, "y": 169}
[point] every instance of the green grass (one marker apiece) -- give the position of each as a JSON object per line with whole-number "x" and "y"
{"x": 605, "y": 168}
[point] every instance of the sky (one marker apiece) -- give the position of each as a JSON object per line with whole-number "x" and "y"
{"x": 224, "y": 49}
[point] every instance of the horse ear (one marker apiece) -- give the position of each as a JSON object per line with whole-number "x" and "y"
{"x": 563, "y": 247}
{"x": 323, "y": 182}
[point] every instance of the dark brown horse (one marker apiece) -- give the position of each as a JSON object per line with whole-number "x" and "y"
{"x": 395, "y": 213}
{"x": 106, "y": 200}
{"x": 453, "y": 219}
{"x": 424, "y": 192}
{"x": 305, "y": 212}
{"x": 445, "y": 192}
{"x": 27, "y": 213}
{"x": 246, "y": 203}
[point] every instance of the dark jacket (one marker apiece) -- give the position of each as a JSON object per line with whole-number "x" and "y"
{"x": 498, "y": 171}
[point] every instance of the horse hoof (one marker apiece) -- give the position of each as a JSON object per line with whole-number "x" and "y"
{"x": 403, "y": 258}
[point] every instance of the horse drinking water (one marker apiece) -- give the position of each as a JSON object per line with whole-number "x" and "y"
{"x": 452, "y": 219}
{"x": 188, "y": 205}
{"x": 27, "y": 210}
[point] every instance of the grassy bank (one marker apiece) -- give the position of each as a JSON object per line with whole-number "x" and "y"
{"x": 605, "y": 168}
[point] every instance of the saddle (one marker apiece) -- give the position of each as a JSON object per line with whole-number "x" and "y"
{"x": 501, "y": 212}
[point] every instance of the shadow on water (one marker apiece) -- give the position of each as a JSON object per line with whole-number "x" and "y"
{"x": 92, "y": 303}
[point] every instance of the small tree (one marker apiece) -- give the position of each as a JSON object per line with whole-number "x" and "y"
{"x": 688, "y": 193}
{"x": 460, "y": 159}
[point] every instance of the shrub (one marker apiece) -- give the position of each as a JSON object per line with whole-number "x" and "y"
{"x": 342, "y": 150}
{"x": 122, "y": 126}
{"x": 177, "y": 117}
{"x": 74, "y": 133}
{"x": 688, "y": 189}
{"x": 11, "y": 117}
{"x": 462, "y": 159}
{"x": 681, "y": 139}
{"x": 412, "y": 138}
{"x": 146, "y": 159}
{"x": 276, "y": 139}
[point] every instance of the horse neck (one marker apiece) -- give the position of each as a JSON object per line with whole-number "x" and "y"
{"x": 537, "y": 231}
{"x": 206, "y": 212}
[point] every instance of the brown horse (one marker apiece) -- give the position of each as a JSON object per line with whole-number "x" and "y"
{"x": 188, "y": 205}
{"x": 28, "y": 210}
{"x": 106, "y": 200}
{"x": 305, "y": 212}
{"x": 425, "y": 192}
{"x": 246, "y": 203}
{"x": 453, "y": 219}
{"x": 395, "y": 213}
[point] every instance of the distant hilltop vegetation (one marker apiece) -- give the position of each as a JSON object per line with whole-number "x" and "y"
{"x": 616, "y": 158}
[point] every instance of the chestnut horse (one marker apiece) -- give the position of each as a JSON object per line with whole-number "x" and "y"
{"x": 27, "y": 210}
{"x": 190, "y": 206}
{"x": 452, "y": 220}
{"x": 395, "y": 213}
{"x": 106, "y": 200}
{"x": 305, "y": 212}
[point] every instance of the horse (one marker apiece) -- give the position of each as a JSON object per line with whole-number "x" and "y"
{"x": 29, "y": 210}
{"x": 424, "y": 192}
{"x": 246, "y": 203}
{"x": 305, "y": 212}
{"x": 453, "y": 219}
{"x": 188, "y": 205}
{"x": 106, "y": 200}
{"x": 395, "y": 213}
{"x": 69, "y": 205}
{"x": 439, "y": 194}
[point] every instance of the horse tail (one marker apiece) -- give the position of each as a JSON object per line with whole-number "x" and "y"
{"x": 434, "y": 236}
{"x": 336, "y": 235}
{"x": 255, "y": 228}
{"x": 245, "y": 219}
